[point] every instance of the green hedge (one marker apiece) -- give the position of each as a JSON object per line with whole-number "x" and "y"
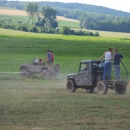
{"x": 39, "y": 29}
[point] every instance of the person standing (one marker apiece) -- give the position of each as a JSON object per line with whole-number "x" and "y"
{"x": 117, "y": 58}
{"x": 52, "y": 56}
{"x": 107, "y": 67}
{"x": 49, "y": 57}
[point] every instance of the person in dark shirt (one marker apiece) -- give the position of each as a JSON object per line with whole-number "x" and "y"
{"x": 48, "y": 58}
{"x": 117, "y": 58}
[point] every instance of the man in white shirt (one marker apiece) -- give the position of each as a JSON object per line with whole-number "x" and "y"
{"x": 107, "y": 67}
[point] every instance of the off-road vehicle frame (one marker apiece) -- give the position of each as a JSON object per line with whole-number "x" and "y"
{"x": 93, "y": 77}
{"x": 27, "y": 70}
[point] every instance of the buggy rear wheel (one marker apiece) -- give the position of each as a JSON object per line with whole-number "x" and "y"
{"x": 102, "y": 87}
{"x": 70, "y": 86}
{"x": 24, "y": 73}
{"x": 120, "y": 88}
{"x": 57, "y": 68}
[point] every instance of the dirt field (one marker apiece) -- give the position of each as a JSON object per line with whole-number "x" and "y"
{"x": 12, "y": 12}
{"x": 66, "y": 19}
{"x": 23, "y": 13}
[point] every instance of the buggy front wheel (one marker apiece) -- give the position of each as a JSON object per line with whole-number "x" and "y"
{"x": 45, "y": 74}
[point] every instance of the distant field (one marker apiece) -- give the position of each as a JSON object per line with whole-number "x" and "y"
{"x": 13, "y": 12}
{"x": 113, "y": 34}
{"x": 24, "y": 13}
{"x": 19, "y": 15}
{"x": 72, "y": 23}
{"x": 69, "y": 47}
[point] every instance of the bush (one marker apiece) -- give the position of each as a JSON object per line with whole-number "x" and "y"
{"x": 42, "y": 30}
{"x": 80, "y": 33}
{"x": 22, "y": 28}
{"x": 57, "y": 31}
{"x": 54, "y": 24}
{"x": 0, "y": 24}
{"x": 19, "y": 22}
{"x": 33, "y": 29}
{"x": 96, "y": 34}
{"x": 90, "y": 34}
{"x": 26, "y": 27}
{"x": 72, "y": 32}
{"x": 65, "y": 30}
{"x": 8, "y": 26}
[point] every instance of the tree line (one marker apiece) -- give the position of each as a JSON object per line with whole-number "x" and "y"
{"x": 90, "y": 17}
{"x": 105, "y": 22}
{"x": 41, "y": 22}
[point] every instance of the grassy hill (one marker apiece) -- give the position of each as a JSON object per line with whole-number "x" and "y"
{"x": 85, "y": 7}
{"x": 70, "y": 6}
{"x": 81, "y": 47}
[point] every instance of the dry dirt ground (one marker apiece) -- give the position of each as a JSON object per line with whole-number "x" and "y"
{"x": 24, "y": 13}
{"x": 12, "y": 12}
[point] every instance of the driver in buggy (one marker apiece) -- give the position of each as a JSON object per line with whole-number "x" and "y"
{"x": 86, "y": 66}
{"x": 40, "y": 62}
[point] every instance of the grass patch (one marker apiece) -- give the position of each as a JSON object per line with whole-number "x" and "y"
{"x": 15, "y": 18}
{"x": 46, "y": 104}
{"x": 61, "y": 23}
{"x": 70, "y": 24}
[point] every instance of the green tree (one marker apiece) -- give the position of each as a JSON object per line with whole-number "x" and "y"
{"x": 32, "y": 9}
{"x": 40, "y": 21}
{"x": 48, "y": 12}
{"x": 87, "y": 23}
{"x": 50, "y": 16}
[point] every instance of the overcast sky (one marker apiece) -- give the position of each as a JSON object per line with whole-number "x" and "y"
{"x": 123, "y": 5}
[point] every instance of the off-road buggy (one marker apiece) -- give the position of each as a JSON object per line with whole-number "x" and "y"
{"x": 92, "y": 77}
{"x": 46, "y": 70}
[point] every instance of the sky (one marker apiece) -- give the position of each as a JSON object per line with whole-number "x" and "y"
{"x": 123, "y": 5}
